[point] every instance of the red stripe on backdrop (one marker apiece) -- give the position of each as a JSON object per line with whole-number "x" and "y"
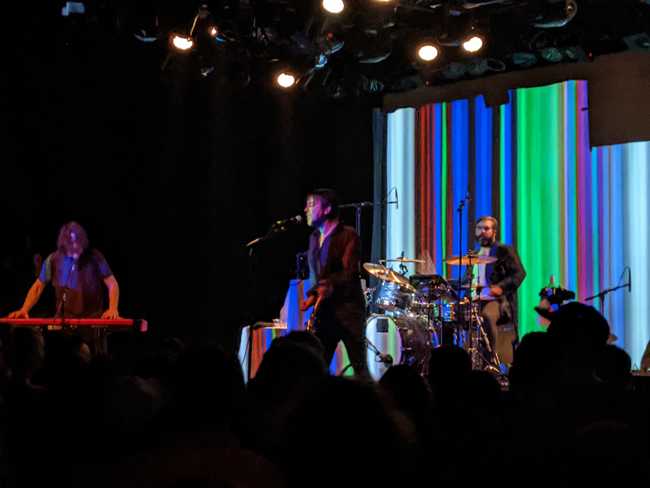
{"x": 432, "y": 187}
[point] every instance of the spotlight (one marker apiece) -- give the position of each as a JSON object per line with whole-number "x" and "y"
{"x": 182, "y": 43}
{"x": 72, "y": 8}
{"x": 427, "y": 52}
{"x": 285, "y": 80}
{"x": 524, "y": 60}
{"x": 637, "y": 42}
{"x": 473, "y": 44}
{"x": 453, "y": 71}
{"x": 551, "y": 54}
{"x": 333, "y": 6}
{"x": 557, "y": 14}
{"x": 477, "y": 67}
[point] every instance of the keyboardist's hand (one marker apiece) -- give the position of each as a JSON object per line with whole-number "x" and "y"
{"x": 18, "y": 314}
{"x": 111, "y": 314}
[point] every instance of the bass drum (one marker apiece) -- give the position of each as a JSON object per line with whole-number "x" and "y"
{"x": 398, "y": 340}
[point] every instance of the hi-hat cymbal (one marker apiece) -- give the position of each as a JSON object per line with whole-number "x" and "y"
{"x": 470, "y": 259}
{"x": 403, "y": 260}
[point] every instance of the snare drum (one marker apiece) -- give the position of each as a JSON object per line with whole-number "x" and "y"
{"x": 405, "y": 340}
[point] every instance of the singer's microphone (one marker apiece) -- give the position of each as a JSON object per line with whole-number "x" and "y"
{"x": 296, "y": 219}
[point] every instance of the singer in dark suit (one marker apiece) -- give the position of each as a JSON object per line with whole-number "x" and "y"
{"x": 333, "y": 258}
{"x": 498, "y": 281}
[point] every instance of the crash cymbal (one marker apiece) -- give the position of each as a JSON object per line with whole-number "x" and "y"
{"x": 403, "y": 260}
{"x": 403, "y": 282}
{"x": 470, "y": 260}
{"x": 379, "y": 271}
{"x": 387, "y": 274}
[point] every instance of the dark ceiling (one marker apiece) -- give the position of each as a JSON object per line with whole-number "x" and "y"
{"x": 368, "y": 49}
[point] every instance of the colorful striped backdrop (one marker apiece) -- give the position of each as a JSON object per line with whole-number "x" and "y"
{"x": 577, "y": 213}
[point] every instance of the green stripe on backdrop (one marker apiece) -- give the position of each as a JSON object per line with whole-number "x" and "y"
{"x": 538, "y": 228}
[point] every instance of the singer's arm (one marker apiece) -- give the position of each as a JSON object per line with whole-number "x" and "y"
{"x": 31, "y": 299}
{"x": 113, "y": 298}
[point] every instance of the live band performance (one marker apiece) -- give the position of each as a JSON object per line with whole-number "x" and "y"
{"x": 296, "y": 243}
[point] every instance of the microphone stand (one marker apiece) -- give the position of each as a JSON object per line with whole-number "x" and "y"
{"x": 275, "y": 229}
{"x": 461, "y": 207}
{"x": 603, "y": 294}
{"x": 357, "y": 212}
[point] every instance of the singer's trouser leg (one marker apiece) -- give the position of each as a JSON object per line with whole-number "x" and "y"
{"x": 355, "y": 344}
{"x": 330, "y": 331}
{"x": 327, "y": 334}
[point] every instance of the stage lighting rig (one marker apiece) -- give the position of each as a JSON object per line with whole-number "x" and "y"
{"x": 333, "y": 6}
{"x": 473, "y": 43}
{"x": 556, "y": 13}
{"x": 427, "y": 52}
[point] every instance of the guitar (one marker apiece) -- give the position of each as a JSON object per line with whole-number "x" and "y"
{"x": 311, "y": 323}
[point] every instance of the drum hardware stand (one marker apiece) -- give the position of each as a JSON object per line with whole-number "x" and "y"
{"x": 459, "y": 209}
{"x": 381, "y": 357}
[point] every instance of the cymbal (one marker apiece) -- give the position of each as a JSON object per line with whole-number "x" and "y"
{"x": 379, "y": 271}
{"x": 403, "y": 282}
{"x": 387, "y": 274}
{"x": 403, "y": 260}
{"x": 469, "y": 259}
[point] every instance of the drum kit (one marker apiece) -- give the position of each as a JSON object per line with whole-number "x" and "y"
{"x": 410, "y": 316}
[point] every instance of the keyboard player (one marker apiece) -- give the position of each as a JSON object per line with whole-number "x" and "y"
{"x": 79, "y": 275}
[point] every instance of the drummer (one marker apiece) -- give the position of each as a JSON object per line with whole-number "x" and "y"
{"x": 497, "y": 281}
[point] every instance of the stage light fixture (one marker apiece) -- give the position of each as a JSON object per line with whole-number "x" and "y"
{"x": 427, "y": 52}
{"x": 285, "y": 79}
{"x": 473, "y": 44}
{"x": 333, "y": 6}
{"x": 551, "y": 54}
{"x": 182, "y": 43}
{"x": 454, "y": 70}
{"x": 73, "y": 8}
{"x": 524, "y": 60}
{"x": 557, "y": 14}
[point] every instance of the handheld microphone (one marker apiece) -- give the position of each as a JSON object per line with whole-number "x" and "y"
{"x": 296, "y": 219}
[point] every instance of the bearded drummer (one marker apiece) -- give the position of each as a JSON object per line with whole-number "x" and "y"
{"x": 498, "y": 281}
{"x": 78, "y": 274}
